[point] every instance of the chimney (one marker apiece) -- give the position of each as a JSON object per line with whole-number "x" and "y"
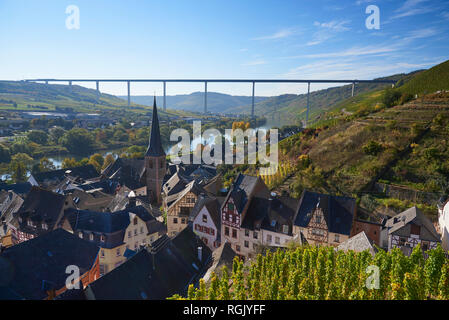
{"x": 200, "y": 253}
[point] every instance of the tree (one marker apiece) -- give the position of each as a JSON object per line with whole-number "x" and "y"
{"x": 97, "y": 161}
{"x": 20, "y": 165}
{"x": 78, "y": 141}
{"x": 69, "y": 163}
{"x": 37, "y": 136}
{"x": 44, "y": 165}
{"x": 5, "y": 154}
{"x": 391, "y": 97}
{"x": 55, "y": 134}
{"x": 372, "y": 148}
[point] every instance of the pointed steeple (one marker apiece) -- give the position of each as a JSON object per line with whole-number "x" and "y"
{"x": 155, "y": 147}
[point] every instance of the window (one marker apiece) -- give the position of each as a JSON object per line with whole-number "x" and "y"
{"x": 45, "y": 226}
{"x": 226, "y": 231}
{"x": 141, "y": 230}
{"x": 183, "y": 220}
{"x": 337, "y": 238}
{"x": 135, "y": 221}
{"x": 401, "y": 241}
{"x": 30, "y": 223}
{"x": 234, "y": 233}
{"x": 102, "y": 253}
{"x": 234, "y": 218}
{"x": 255, "y": 235}
{"x": 136, "y": 245}
{"x": 185, "y": 211}
{"x": 129, "y": 234}
{"x": 230, "y": 207}
{"x": 135, "y": 232}
{"x": 204, "y": 218}
{"x": 318, "y": 219}
{"x": 285, "y": 229}
{"x": 246, "y": 233}
{"x": 150, "y": 163}
{"x": 246, "y": 243}
{"x": 102, "y": 238}
{"x": 277, "y": 240}
{"x": 269, "y": 238}
{"x": 80, "y": 234}
{"x": 102, "y": 269}
{"x": 212, "y": 232}
{"x": 118, "y": 252}
{"x": 91, "y": 237}
{"x": 175, "y": 220}
{"x": 254, "y": 246}
{"x": 205, "y": 240}
{"x": 237, "y": 248}
{"x": 425, "y": 245}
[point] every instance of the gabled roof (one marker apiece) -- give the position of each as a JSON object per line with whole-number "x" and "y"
{"x": 415, "y": 216}
{"x": 155, "y": 273}
{"x": 212, "y": 205}
{"x": 155, "y": 146}
{"x": 358, "y": 243}
{"x": 41, "y": 206}
{"x": 55, "y": 176}
{"x": 270, "y": 214}
{"x": 19, "y": 188}
{"x": 25, "y": 266}
{"x": 192, "y": 186}
{"x": 112, "y": 225}
{"x": 241, "y": 190}
{"x": 222, "y": 256}
{"x": 176, "y": 183}
{"x": 10, "y": 204}
{"x": 338, "y": 211}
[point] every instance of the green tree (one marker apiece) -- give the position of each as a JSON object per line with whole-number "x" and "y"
{"x": 37, "y": 136}
{"x": 5, "y": 154}
{"x": 20, "y": 165}
{"x": 78, "y": 141}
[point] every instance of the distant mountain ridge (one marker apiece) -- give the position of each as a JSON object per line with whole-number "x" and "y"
{"x": 216, "y": 102}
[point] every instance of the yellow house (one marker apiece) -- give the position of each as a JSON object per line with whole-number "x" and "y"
{"x": 114, "y": 232}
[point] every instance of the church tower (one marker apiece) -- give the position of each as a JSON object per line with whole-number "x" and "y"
{"x": 155, "y": 163}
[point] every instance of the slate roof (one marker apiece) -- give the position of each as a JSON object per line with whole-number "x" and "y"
{"x": 241, "y": 190}
{"x": 270, "y": 214}
{"x": 25, "y": 266}
{"x": 155, "y": 146}
{"x": 415, "y": 216}
{"x": 222, "y": 256}
{"x": 41, "y": 206}
{"x": 19, "y": 188}
{"x": 193, "y": 187}
{"x": 155, "y": 273}
{"x": 338, "y": 211}
{"x": 358, "y": 243}
{"x": 176, "y": 183}
{"x": 10, "y": 204}
{"x": 56, "y": 176}
{"x": 213, "y": 207}
{"x": 128, "y": 172}
{"x": 111, "y": 225}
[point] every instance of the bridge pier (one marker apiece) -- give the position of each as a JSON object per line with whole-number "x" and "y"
{"x": 353, "y": 85}
{"x": 70, "y": 85}
{"x": 165, "y": 96}
{"x": 308, "y": 103}
{"x": 205, "y": 97}
{"x": 97, "y": 84}
{"x": 252, "y": 101}
{"x": 129, "y": 93}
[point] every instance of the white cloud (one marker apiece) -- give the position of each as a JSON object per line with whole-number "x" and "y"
{"x": 334, "y": 25}
{"x": 284, "y": 33}
{"x": 421, "y": 33}
{"x": 327, "y": 30}
{"x": 411, "y": 8}
{"x": 351, "y": 52}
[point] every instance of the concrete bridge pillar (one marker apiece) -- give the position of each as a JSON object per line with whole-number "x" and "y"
{"x": 252, "y": 100}
{"x": 165, "y": 96}
{"x": 308, "y": 103}
{"x": 352, "y": 92}
{"x": 129, "y": 93}
{"x": 205, "y": 97}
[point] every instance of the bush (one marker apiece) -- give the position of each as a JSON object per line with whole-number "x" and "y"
{"x": 391, "y": 97}
{"x": 406, "y": 97}
{"x": 372, "y": 148}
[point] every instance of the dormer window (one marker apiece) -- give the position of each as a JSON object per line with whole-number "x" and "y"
{"x": 285, "y": 228}
{"x": 102, "y": 238}
{"x": 135, "y": 221}
{"x": 45, "y": 226}
{"x": 30, "y": 223}
{"x": 91, "y": 237}
{"x": 80, "y": 234}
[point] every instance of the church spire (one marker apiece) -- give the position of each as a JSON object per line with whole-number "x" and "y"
{"x": 155, "y": 147}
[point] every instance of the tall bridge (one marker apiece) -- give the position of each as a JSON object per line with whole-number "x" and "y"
{"x": 206, "y": 81}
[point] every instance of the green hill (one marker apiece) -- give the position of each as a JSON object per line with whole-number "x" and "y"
{"x": 429, "y": 81}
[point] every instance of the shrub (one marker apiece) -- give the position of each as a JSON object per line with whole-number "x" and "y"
{"x": 372, "y": 148}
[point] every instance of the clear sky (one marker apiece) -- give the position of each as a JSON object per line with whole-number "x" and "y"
{"x": 220, "y": 39}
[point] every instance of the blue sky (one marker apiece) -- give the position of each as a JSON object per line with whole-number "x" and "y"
{"x": 220, "y": 39}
